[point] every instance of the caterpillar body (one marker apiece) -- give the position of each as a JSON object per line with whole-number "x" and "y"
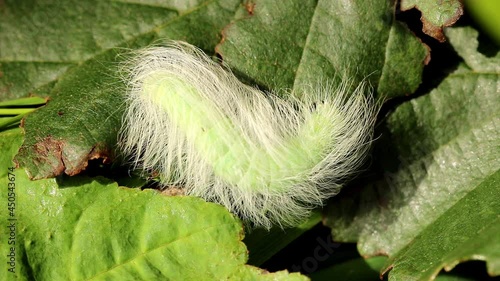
{"x": 266, "y": 158}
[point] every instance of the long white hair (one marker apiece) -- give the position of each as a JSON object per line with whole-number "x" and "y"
{"x": 268, "y": 159}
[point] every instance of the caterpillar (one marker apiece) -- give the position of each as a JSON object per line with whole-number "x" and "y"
{"x": 267, "y": 158}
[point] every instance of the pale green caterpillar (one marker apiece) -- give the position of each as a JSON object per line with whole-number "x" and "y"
{"x": 268, "y": 159}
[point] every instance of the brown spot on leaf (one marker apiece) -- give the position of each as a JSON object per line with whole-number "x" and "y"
{"x": 250, "y": 7}
{"x": 223, "y": 39}
{"x": 173, "y": 191}
{"x": 428, "y": 56}
{"x": 433, "y": 30}
{"x": 97, "y": 152}
{"x": 386, "y": 270}
{"x": 48, "y": 153}
{"x": 437, "y": 31}
{"x": 49, "y": 158}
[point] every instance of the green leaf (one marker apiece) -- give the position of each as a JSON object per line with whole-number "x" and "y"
{"x": 9, "y": 143}
{"x": 6, "y": 122}
{"x": 255, "y": 274}
{"x": 464, "y": 40}
{"x": 297, "y": 43}
{"x": 449, "y": 277}
{"x": 82, "y": 228}
{"x": 31, "y": 101}
{"x": 356, "y": 269}
{"x": 15, "y": 111}
{"x": 436, "y": 15}
{"x": 12, "y": 111}
{"x": 36, "y": 47}
{"x": 20, "y": 79}
{"x": 463, "y": 232}
{"x": 80, "y": 122}
{"x": 437, "y": 203}
{"x": 80, "y": 73}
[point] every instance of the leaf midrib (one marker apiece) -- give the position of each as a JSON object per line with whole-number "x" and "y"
{"x": 160, "y": 247}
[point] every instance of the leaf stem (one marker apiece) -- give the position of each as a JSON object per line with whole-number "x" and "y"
{"x": 15, "y": 111}
{"x": 4, "y": 122}
{"x": 23, "y": 101}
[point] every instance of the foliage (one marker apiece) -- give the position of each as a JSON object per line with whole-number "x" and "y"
{"x": 428, "y": 200}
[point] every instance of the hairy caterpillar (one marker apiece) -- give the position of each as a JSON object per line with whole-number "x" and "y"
{"x": 268, "y": 159}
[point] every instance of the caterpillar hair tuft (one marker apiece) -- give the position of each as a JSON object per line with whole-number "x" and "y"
{"x": 268, "y": 159}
